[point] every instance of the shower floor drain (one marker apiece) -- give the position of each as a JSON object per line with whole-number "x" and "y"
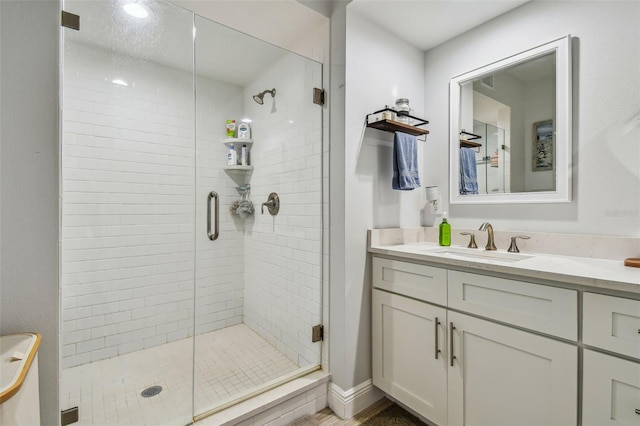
{"x": 151, "y": 391}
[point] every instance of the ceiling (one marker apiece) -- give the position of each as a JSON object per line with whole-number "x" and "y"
{"x": 237, "y": 58}
{"x": 166, "y": 35}
{"x": 427, "y": 23}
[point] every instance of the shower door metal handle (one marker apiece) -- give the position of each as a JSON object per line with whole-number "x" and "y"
{"x": 213, "y": 236}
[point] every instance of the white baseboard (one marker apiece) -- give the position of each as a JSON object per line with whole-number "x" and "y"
{"x": 347, "y": 404}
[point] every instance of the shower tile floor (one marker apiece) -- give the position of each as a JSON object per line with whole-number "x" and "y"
{"x": 229, "y": 363}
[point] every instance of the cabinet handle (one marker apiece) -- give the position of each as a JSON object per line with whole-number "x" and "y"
{"x": 437, "y": 323}
{"x": 637, "y": 410}
{"x": 451, "y": 328}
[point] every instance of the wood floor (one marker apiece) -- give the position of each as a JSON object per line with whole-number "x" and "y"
{"x": 327, "y": 417}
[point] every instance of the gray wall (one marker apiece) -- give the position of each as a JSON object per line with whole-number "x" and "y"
{"x": 338, "y": 364}
{"x": 380, "y": 68}
{"x": 29, "y": 183}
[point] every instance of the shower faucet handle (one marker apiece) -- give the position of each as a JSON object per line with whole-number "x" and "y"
{"x": 272, "y": 203}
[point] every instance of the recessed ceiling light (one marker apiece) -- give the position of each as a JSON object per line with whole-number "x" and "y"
{"x": 119, "y": 82}
{"x": 136, "y": 9}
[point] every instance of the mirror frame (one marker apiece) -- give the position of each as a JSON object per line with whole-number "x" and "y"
{"x": 563, "y": 128}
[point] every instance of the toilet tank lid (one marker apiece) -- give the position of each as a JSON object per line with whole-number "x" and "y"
{"x": 17, "y": 352}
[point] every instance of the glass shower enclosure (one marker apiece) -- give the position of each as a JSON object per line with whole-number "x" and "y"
{"x": 181, "y": 294}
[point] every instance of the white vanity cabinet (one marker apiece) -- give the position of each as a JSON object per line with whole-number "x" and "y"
{"x": 484, "y": 372}
{"x": 503, "y": 376}
{"x": 611, "y": 384}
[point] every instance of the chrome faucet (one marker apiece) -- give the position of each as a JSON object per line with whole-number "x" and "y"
{"x": 490, "y": 243}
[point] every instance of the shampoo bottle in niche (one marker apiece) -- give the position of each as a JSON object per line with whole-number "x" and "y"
{"x": 444, "y": 238}
{"x": 232, "y": 156}
{"x": 244, "y": 131}
{"x": 231, "y": 128}
{"x": 244, "y": 156}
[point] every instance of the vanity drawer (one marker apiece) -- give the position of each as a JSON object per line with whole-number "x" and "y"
{"x": 418, "y": 281}
{"x": 612, "y": 323}
{"x": 549, "y": 310}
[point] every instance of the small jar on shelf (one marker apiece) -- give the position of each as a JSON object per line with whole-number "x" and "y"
{"x": 389, "y": 114}
{"x": 402, "y": 106}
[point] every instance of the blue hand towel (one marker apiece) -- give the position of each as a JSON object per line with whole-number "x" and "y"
{"x": 405, "y": 162}
{"x": 468, "y": 172}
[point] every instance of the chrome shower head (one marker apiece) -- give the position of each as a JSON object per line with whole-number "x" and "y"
{"x": 259, "y": 97}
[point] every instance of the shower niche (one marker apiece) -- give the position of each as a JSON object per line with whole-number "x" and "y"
{"x": 147, "y": 298}
{"x": 240, "y": 174}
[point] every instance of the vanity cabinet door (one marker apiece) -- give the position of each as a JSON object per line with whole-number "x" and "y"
{"x": 611, "y": 390}
{"x": 504, "y": 376}
{"x": 406, "y": 335}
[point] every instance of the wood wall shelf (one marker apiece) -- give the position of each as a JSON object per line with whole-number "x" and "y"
{"x": 396, "y": 126}
{"x": 391, "y": 126}
{"x": 469, "y": 144}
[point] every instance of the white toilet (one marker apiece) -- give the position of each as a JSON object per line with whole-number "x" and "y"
{"x": 19, "y": 390}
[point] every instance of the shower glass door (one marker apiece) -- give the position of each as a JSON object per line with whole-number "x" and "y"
{"x": 128, "y": 213}
{"x": 259, "y": 285}
{"x": 179, "y": 297}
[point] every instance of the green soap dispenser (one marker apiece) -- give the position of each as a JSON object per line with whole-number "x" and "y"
{"x": 444, "y": 238}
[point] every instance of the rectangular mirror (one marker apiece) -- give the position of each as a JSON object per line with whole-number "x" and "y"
{"x": 510, "y": 129}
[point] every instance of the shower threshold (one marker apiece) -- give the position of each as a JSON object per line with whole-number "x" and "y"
{"x": 259, "y": 390}
{"x": 300, "y": 396}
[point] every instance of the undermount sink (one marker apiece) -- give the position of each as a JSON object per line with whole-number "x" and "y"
{"x": 479, "y": 254}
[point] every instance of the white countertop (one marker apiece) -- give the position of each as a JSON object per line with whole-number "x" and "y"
{"x": 599, "y": 273}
